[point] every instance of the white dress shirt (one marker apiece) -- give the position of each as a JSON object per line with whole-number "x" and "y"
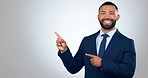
{"x": 99, "y": 39}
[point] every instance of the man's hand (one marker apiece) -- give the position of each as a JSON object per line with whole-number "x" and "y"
{"x": 61, "y": 44}
{"x": 95, "y": 60}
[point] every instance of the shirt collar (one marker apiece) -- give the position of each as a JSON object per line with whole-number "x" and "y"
{"x": 111, "y": 33}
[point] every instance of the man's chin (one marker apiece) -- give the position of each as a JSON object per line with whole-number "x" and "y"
{"x": 108, "y": 26}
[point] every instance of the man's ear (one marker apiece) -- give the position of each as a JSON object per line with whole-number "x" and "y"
{"x": 98, "y": 16}
{"x": 118, "y": 16}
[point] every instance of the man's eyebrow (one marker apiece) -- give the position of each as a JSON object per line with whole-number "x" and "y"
{"x": 102, "y": 11}
{"x": 111, "y": 11}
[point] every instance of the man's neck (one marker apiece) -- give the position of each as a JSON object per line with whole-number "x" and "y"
{"x": 107, "y": 31}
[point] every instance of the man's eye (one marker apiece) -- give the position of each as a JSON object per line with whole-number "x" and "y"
{"x": 102, "y": 13}
{"x": 112, "y": 13}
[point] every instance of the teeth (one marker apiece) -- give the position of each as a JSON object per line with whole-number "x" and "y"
{"x": 107, "y": 21}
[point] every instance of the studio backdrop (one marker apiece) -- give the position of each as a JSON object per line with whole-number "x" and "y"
{"x": 28, "y": 43}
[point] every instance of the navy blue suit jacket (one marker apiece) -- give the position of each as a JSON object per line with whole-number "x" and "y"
{"x": 119, "y": 60}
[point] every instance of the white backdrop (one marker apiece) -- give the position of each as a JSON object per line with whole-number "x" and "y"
{"x": 27, "y": 39}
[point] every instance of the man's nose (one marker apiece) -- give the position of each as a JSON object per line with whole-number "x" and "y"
{"x": 107, "y": 15}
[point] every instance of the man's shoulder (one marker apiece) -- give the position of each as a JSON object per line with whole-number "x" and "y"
{"x": 125, "y": 37}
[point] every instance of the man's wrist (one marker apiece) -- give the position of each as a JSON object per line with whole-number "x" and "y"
{"x": 64, "y": 50}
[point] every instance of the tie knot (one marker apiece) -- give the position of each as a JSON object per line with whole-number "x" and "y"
{"x": 105, "y": 35}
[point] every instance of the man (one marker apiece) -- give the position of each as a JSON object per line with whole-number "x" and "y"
{"x": 112, "y": 56}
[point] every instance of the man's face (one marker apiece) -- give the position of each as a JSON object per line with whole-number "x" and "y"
{"x": 108, "y": 16}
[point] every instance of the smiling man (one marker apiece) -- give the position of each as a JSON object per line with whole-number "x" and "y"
{"x": 106, "y": 53}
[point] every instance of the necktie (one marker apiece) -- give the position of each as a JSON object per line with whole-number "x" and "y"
{"x": 102, "y": 45}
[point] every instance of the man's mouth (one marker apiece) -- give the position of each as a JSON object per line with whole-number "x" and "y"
{"x": 107, "y": 22}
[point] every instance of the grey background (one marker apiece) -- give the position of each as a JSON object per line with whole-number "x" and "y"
{"x": 27, "y": 39}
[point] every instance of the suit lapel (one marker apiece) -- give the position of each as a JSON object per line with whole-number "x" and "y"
{"x": 93, "y": 43}
{"x": 116, "y": 37}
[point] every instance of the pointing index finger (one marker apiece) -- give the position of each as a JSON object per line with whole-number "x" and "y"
{"x": 57, "y": 35}
{"x": 90, "y": 55}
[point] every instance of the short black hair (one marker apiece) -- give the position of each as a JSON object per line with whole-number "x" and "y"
{"x": 108, "y": 3}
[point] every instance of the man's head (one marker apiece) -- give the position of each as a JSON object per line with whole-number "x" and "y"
{"x": 108, "y": 15}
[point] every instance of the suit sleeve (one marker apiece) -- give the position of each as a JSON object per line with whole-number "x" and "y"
{"x": 73, "y": 64}
{"x": 126, "y": 67}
